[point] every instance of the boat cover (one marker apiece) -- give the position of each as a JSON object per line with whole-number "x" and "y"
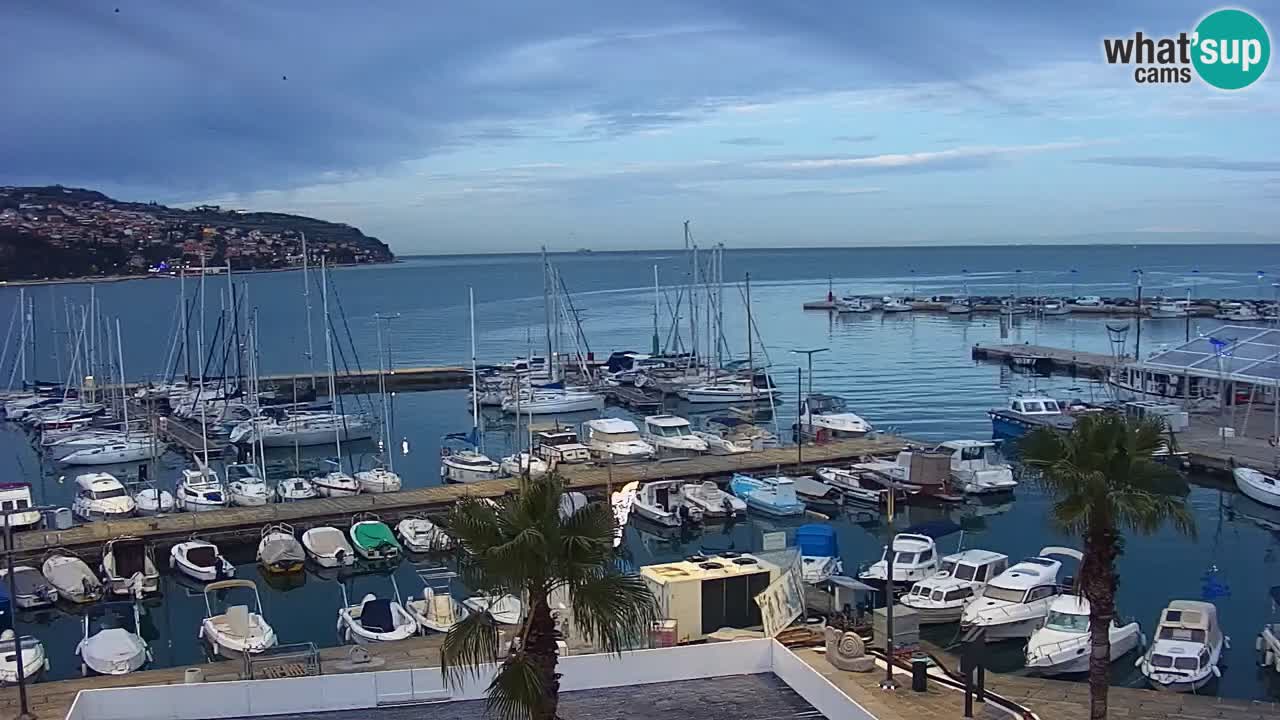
{"x": 817, "y": 540}
{"x": 376, "y": 616}
{"x": 328, "y": 542}
{"x": 374, "y": 535}
{"x": 111, "y": 646}
{"x": 29, "y": 581}
{"x": 202, "y": 556}
{"x": 71, "y": 575}
{"x": 281, "y": 549}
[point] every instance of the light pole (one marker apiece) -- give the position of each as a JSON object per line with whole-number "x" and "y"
{"x": 888, "y": 683}
{"x": 23, "y": 712}
{"x": 805, "y": 402}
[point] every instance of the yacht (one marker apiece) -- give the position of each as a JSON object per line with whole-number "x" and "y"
{"x": 560, "y": 446}
{"x": 759, "y": 389}
{"x": 125, "y": 451}
{"x": 728, "y": 435}
{"x": 199, "y": 490}
{"x": 831, "y": 414}
{"x": 1236, "y": 312}
{"x": 769, "y": 495}
{"x": 615, "y": 440}
{"x": 17, "y": 496}
{"x": 853, "y": 304}
{"x": 663, "y": 502}
{"x": 941, "y": 597}
{"x": 1061, "y": 646}
{"x": 235, "y": 630}
{"x": 467, "y": 465}
{"x": 915, "y": 558}
{"x": 894, "y": 305}
{"x": 100, "y": 496}
{"x": 1026, "y": 412}
{"x": 712, "y": 501}
{"x": 552, "y": 402}
{"x": 959, "y": 306}
{"x": 1187, "y": 648}
{"x": 819, "y": 553}
{"x": 977, "y": 469}
{"x": 1015, "y": 603}
{"x": 1257, "y": 486}
{"x": 246, "y": 486}
{"x": 672, "y": 436}
{"x": 1165, "y": 309}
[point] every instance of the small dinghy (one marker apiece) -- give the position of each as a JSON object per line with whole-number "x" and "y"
{"x": 296, "y": 488}
{"x": 437, "y": 611}
{"x": 34, "y": 660}
{"x": 279, "y": 550}
{"x": 420, "y": 535}
{"x": 372, "y": 539}
{"x": 200, "y": 560}
{"x": 505, "y": 609}
{"x": 111, "y": 644}
{"x": 328, "y": 547}
{"x": 246, "y": 487}
{"x": 153, "y": 501}
{"x": 236, "y": 630}
{"x": 71, "y": 577}
{"x": 375, "y": 619}
{"x": 129, "y": 568}
{"x": 30, "y": 588}
{"x": 378, "y": 480}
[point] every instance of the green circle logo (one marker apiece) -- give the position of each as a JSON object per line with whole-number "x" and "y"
{"x": 1231, "y": 49}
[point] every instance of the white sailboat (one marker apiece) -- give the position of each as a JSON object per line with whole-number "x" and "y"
{"x": 245, "y": 485}
{"x": 334, "y": 483}
{"x": 383, "y": 478}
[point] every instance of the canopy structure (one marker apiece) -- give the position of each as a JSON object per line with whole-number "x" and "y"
{"x": 1235, "y": 353}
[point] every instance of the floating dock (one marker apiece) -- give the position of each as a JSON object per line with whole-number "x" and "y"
{"x": 1046, "y": 359}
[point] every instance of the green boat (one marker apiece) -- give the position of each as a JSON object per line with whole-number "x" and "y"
{"x": 372, "y": 539}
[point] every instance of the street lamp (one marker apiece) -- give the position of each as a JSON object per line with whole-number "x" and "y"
{"x": 24, "y": 713}
{"x": 804, "y": 402}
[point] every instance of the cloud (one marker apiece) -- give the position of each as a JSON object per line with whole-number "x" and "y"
{"x": 751, "y": 141}
{"x": 1188, "y": 162}
{"x": 890, "y": 161}
{"x": 853, "y": 138}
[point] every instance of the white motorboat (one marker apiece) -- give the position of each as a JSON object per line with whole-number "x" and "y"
{"x": 1061, "y": 646}
{"x": 30, "y": 588}
{"x": 1236, "y": 312}
{"x": 279, "y": 550}
{"x": 1257, "y": 486}
{"x": 713, "y": 502}
{"x": 894, "y": 305}
{"x": 728, "y": 435}
{"x": 34, "y": 660}
{"x": 729, "y": 391}
{"x": 112, "y": 644}
{"x": 941, "y": 597}
{"x": 831, "y": 415}
{"x": 129, "y": 568}
{"x": 372, "y": 539}
{"x": 977, "y": 469}
{"x": 663, "y": 502}
{"x": 1187, "y": 648}
{"x": 552, "y": 402}
{"x": 560, "y": 446}
{"x": 467, "y": 465}
{"x": 16, "y": 496}
{"x": 672, "y": 436}
{"x": 854, "y": 304}
{"x": 296, "y": 488}
{"x": 100, "y": 496}
{"x": 153, "y": 501}
{"x": 1054, "y": 307}
{"x": 849, "y": 482}
{"x": 328, "y": 547}
{"x": 615, "y": 440}
{"x": 519, "y": 464}
{"x": 915, "y": 558}
{"x": 505, "y": 609}
{"x": 437, "y": 610}
{"x": 200, "y": 560}
{"x": 819, "y": 553}
{"x": 1015, "y": 603}
{"x": 420, "y": 535}
{"x": 71, "y": 577}
{"x": 199, "y": 490}
{"x": 959, "y": 306}
{"x": 234, "y": 631}
{"x": 246, "y": 487}
{"x": 378, "y": 480}
{"x": 119, "y": 452}
{"x": 336, "y": 483}
{"x": 375, "y": 619}
{"x": 1168, "y": 309}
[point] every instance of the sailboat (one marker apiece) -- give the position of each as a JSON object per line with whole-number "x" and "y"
{"x": 383, "y": 478}
{"x": 468, "y": 464}
{"x": 334, "y": 483}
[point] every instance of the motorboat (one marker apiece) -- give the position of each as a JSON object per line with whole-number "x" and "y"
{"x": 731, "y": 391}
{"x": 672, "y": 436}
{"x": 372, "y": 539}
{"x": 296, "y": 488}
{"x": 560, "y": 446}
{"x": 1257, "y": 486}
{"x": 1236, "y": 312}
{"x": 16, "y": 496}
{"x": 918, "y": 470}
{"x": 378, "y": 480}
{"x": 959, "y": 306}
{"x": 615, "y": 440}
{"x": 1268, "y": 641}
{"x": 1053, "y": 307}
{"x": 112, "y": 643}
{"x": 420, "y": 535}
{"x": 246, "y": 487}
{"x": 552, "y": 402}
{"x": 336, "y": 483}
{"x": 768, "y": 495}
{"x": 941, "y": 597}
{"x": 200, "y": 560}
{"x": 30, "y": 588}
{"x": 894, "y": 305}
{"x": 436, "y": 610}
{"x": 663, "y": 502}
{"x": 1165, "y": 309}
{"x": 1026, "y": 412}
{"x": 279, "y": 550}
{"x": 714, "y": 503}
{"x": 1062, "y": 645}
{"x": 504, "y": 609}
{"x": 151, "y": 500}
{"x": 818, "y": 495}
{"x": 71, "y": 577}
{"x": 199, "y": 490}
{"x": 129, "y": 567}
{"x": 1016, "y": 602}
{"x": 819, "y": 552}
{"x": 977, "y": 469}
{"x": 915, "y": 558}
{"x": 233, "y": 631}
{"x": 1087, "y": 301}
{"x": 830, "y": 415}
{"x": 465, "y": 464}
{"x": 729, "y": 435}
{"x": 100, "y": 496}
{"x": 849, "y": 482}
{"x": 34, "y": 660}
{"x": 1187, "y": 648}
{"x": 522, "y": 463}
{"x": 854, "y": 304}
{"x": 328, "y": 547}
{"x": 620, "y": 503}
{"x": 375, "y": 619}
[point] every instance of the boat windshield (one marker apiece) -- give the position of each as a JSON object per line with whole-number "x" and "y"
{"x": 1178, "y": 663}
{"x": 993, "y": 592}
{"x": 828, "y": 405}
{"x": 1067, "y": 622}
{"x": 964, "y": 572}
{"x": 108, "y": 494}
{"x": 673, "y": 430}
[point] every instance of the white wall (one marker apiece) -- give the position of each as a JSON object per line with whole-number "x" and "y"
{"x": 814, "y": 688}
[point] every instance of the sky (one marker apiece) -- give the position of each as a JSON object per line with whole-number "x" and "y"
{"x": 491, "y": 126}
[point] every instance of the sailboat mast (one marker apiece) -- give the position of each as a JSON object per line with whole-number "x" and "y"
{"x": 328, "y": 350}
{"x": 475, "y": 375}
{"x": 22, "y": 343}
{"x": 546, "y": 308}
{"x": 204, "y": 425}
{"x": 655, "y": 309}
{"x": 186, "y": 332}
{"x": 124, "y": 401}
{"x": 383, "y": 362}
{"x": 306, "y": 300}
{"x": 720, "y": 307}
{"x": 751, "y": 358}
{"x": 693, "y": 299}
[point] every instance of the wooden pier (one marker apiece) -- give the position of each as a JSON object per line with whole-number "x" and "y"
{"x": 1045, "y": 359}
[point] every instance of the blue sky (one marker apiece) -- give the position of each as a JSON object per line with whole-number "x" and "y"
{"x": 501, "y": 126}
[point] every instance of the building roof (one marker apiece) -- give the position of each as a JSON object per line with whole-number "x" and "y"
{"x": 1237, "y": 352}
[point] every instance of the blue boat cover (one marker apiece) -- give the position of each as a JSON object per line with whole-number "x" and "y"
{"x": 817, "y": 540}
{"x": 376, "y": 616}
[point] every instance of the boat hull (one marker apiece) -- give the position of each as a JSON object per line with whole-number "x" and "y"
{"x": 1018, "y": 630}
{"x": 1255, "y": 489}
{"x": 937, "y": 615}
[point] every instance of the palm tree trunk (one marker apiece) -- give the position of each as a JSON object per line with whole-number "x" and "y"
{"x": 1098, "y": 579}
{"x": 540, "y": 644}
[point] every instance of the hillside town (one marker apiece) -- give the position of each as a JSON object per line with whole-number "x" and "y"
{"x": 57, "y": 232}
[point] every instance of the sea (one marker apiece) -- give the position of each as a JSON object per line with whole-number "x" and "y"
{"x": 908, "y": 373}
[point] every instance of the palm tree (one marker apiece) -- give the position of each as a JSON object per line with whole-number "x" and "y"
{"x": 536, "y": 544}
{"x": 1104, "y": 480}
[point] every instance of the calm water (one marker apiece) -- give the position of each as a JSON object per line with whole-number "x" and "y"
{"x": 909, "y": 373}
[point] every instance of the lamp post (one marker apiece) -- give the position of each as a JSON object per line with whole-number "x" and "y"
{"x": 888, "y": 683}
{"x": 805, "y": 402}
{"x": 23, "y": 712}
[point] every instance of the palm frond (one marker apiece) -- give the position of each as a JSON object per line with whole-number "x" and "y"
{"x": 613, "y": 609}
{"x": 516, "y": 690}
{"x": 468, "y": 647}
